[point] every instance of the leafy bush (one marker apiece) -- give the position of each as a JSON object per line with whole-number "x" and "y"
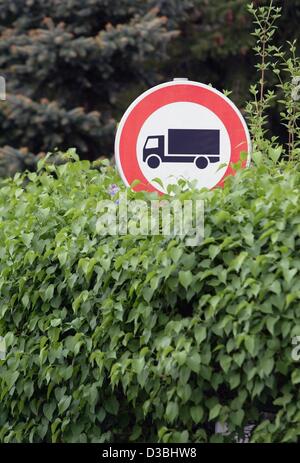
{"x": 141, "y": 338}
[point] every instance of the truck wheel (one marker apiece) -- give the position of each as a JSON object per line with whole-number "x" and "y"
{"x": 153, "y": 161}
{"x": 201, "y": 162}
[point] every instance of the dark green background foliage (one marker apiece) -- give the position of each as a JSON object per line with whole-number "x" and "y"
{"x": 136, "y": 338}
{"x": 13, "y": 160}
{"x": 217, "y": 35}
{"x": 73, "y": 67}
{"x": 66, "y": 64}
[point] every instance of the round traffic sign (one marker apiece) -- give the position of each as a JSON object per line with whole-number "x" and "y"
{"x": 180, "y": 129}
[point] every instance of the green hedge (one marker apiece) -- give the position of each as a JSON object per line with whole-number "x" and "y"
{"x": 132, "y": 338}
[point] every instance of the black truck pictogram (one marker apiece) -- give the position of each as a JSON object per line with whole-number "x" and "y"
{"x": 201, "y": 146}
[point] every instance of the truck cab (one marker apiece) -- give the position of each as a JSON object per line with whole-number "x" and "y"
{"x": 154, "y": 149}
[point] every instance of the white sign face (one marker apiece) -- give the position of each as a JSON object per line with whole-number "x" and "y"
{"x": 179, "y": 117}
{"x": 180, "y": 130}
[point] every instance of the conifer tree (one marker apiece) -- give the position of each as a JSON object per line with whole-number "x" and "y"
{"x": 67, "y": 66}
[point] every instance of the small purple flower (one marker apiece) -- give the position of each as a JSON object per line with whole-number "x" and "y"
{"x": 113, "y": 189}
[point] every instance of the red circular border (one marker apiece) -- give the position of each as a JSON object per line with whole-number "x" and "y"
{"x": 175, "y": 94}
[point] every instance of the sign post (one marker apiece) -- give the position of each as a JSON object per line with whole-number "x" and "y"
{"x": 180, "y": 129}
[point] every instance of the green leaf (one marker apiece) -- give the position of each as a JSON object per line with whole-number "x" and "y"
{"x": 25, "y": 300}
{"x": 225, "y": 362}
{"x": 267, "y": 366}
{"x": 214, "y": 412}
{"x": 172, "y": 412}
{"x": 56, "y": 322}
{"x": 237, "y": 417}
{"x": 197, "y": 413}
{"x": 184, "y": 391}
{"x": 194, "y": 362}
{"x": 64, "y": 404}
{"x": 238, "y": 261}
{"x": 250, "y": 344}
{"x": 27, "y": 239}
{"x": 48, "y": 410}
{"x": 158, "y": 181}
{"x": 257, "y": 157}
{"x": 275, "y": 153}
{"x": 296, "y": 376}
{"x": 200, "y": 334}
{"x": 270, "y": 322}
{"x": 49, "y": 293}
{"x": 176, "y": 253}
{"x": 12, "y": 379}
{"x": 185, "y": 278}
{"x": 221, "y": 217}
